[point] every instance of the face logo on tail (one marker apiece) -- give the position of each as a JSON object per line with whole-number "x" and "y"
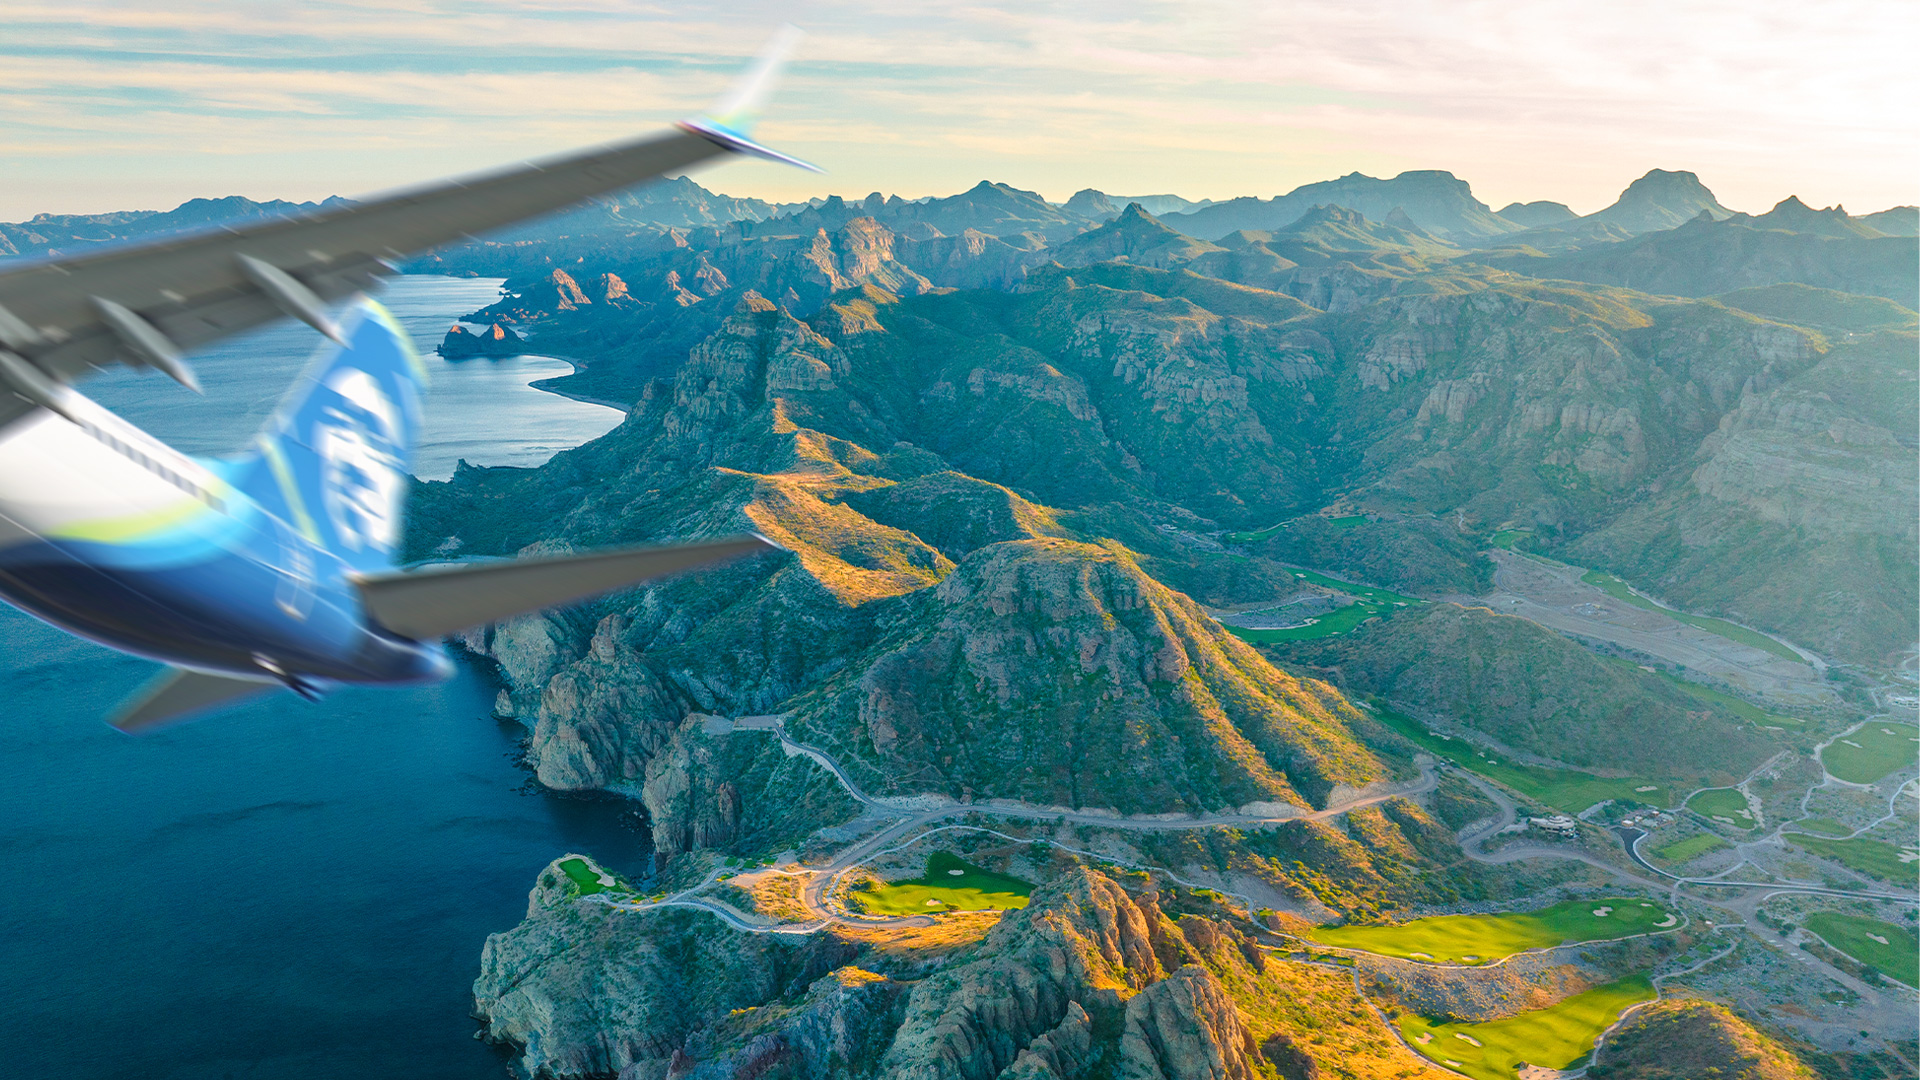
{"x": 362, "y": 480}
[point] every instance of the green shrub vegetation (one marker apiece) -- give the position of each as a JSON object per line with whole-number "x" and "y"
{"x": 1724, "y": 805}
{"x": 1810, "y": 306}
{"x": 950, "y": 884}
{"x": 1876, "y": 750}
{"x": 1483, "y": 939}
{"x": 1745, "y": 710}
{"x": 1870, "y": 857}
{"x": 1557, "y": 1037}
{"x": 1618, "y": 589}
{"x": 1533, "y": 689}
{"x": 1563, "y": 789}
{"x": 1691, "y": 848}
{"x": 1891, "y": 950}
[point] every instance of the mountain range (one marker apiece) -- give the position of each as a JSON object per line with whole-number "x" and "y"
{"x": 1022, "y": 459}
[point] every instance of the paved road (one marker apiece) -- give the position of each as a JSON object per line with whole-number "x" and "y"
{"x": 817, "y": 888}
{"x": 819, "y": 885}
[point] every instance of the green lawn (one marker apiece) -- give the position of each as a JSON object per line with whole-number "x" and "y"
{"x": 1383, "y": 597}
{"x": 1874, "y": 751}
{"x": 1505, "y": 539}
{"x": 949, "y": 885}
{"x": 1558, "y": 1037}
{"x": 1820, "y": 826}
{"x": 1873, "y": 858}
{"x": 1691, "y": 848}
{"x": 1884, "y": 946}
{"x": 584, "y": 876}
{"x": 1562, "y": 789}
{"x": 1724, "y": 805}
{"x": 1482, "y": 939}
{"x": 1618, "y": 589}
{"x": 1369, "y": 602}
{"x": 1334, "y": 622}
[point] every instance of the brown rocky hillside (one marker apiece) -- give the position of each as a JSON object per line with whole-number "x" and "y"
{"x": 1683, "y": 1040}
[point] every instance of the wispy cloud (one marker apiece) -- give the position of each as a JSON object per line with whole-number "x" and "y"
{"x": 107, "y": 105}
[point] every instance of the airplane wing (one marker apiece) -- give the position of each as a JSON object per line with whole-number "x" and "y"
{"x": 149, "y": 304}
{"x": 431, "y": 603}
{"x": 176, "y": 693}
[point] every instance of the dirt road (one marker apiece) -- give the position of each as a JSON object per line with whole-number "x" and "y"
{"x": 1553, "y": 595}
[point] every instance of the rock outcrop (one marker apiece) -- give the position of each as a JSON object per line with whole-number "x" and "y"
{"x": 1669, "y": 1040}
{"x": 497, "y": 340}
{"x": 584, "y": 990}
{"x": 1082, "y": 941}
{"x": 1185, "y": 1027}
{"x": 1092, "y": 978}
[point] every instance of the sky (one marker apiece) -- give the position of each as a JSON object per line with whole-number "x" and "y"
{"x": 118, "y": 106}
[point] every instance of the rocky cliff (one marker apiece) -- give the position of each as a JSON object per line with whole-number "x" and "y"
{"x": 581, "y": 989}
{"x": 1092, "y": 978}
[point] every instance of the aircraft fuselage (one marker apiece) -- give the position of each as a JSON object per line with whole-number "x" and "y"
{"x": 108, "y": 533}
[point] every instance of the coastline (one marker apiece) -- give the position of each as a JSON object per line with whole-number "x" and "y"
{"x": 578, "y": 365}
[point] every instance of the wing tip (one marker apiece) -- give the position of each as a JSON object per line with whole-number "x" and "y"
{"x": 720, "y": 134}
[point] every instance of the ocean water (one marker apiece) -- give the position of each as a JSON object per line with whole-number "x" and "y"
{"x": 286, "y": 890}
{"x": 479, "y": 409}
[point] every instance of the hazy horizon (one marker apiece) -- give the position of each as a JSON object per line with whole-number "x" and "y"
{"x": 120, "y": 109}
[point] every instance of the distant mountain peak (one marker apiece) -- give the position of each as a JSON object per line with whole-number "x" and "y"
{"x": 1440, "y": 203}
{"x": 1660, "y": 200}
{"x": 1087, "y": 202}
{"x": 1534, "y": 215}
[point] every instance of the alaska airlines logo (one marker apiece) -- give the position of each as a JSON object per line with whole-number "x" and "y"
{"x": 359, "y": 440}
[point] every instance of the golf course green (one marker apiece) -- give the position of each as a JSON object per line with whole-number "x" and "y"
{"x": 1557, "y": 1037}
{"x": 950, "y": 884}
{"x": 1483, "y": 939}
{"x": 1874, "y": 751}
{"x": 1724, "y": 805}
{"x": 1894, "y": 952}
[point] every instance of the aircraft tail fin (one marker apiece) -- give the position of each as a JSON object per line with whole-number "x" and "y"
{"x": 335, "y": 460}
{"x": 430, "y": 603}
{"x": 178, "y": 693}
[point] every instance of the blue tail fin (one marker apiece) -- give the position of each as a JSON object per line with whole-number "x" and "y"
{"x": 334, "y": 461}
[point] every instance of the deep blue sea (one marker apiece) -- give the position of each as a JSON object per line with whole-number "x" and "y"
{"x": 286, "y": 890}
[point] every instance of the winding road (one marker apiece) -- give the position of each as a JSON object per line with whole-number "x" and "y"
{"x": 920, "y": 817}
{"x": 819, "y": 885}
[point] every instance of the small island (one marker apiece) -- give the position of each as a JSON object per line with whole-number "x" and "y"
{"x": 501, "y": 340}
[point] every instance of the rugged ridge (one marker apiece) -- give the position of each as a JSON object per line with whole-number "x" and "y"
{"x": 1059, "y": 673}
